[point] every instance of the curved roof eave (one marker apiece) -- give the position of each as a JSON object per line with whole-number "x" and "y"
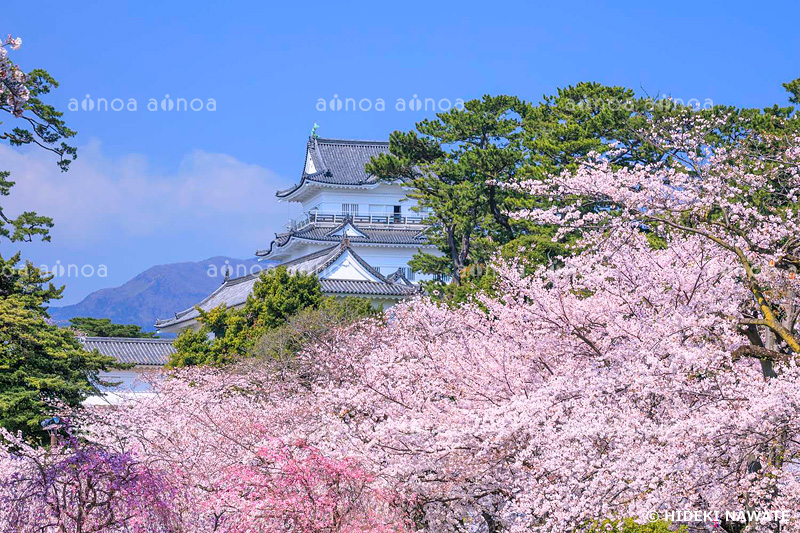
{"x": 274, "y": 247}
{"x": 344, "y": 164}
{"x": 289, "y": 194}
{"x": 179, "y": 316}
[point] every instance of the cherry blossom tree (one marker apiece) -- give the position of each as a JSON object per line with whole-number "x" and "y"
{"x": 623, "y": 384}
{"x": 209, "y": 451}
{"x": 655, "y": 371}
{"x": 80, "y": 488}
{"x": 241, "y": 448}
{"x": 13, "y": 91}
{"x": 744, "y": 199}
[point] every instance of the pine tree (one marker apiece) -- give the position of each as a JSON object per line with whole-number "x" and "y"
{"x": 40, "y": 364}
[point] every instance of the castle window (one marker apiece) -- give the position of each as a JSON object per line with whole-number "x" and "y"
{"x": 349, "y": 209}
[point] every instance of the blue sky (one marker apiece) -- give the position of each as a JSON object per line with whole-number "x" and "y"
{"x": 154, "y": 187}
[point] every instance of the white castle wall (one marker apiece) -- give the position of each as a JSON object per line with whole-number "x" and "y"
{"x": 385, "y": 196}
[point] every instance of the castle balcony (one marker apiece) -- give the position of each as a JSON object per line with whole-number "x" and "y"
{"x": 393, "y": 220}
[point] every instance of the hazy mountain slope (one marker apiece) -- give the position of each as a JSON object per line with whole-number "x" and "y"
{"x": 158, "y": 292}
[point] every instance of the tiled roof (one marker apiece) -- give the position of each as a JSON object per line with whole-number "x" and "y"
{"x": 371, "y": 235}
{"x": 316, "y": 262}
{"x": 234, "y": 292}
{"x": 402, "y": 236}
{"x": 399, "y": 277}
{"x": 367, "y": 288}
{"x": 131, "y": 350}
{"x": 339, "y": 162}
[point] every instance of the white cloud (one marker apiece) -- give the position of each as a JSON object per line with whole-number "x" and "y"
{"x": 101, "y": 197}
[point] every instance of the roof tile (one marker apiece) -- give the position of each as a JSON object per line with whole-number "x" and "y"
{"x": 135, "y": 351}
{"x": 403, "y": 236}
{"x": 234, "y": 292}
{"x": 339, "y": 162}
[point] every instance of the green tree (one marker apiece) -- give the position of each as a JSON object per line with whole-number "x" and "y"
{"x": 455, "y": 166}
{"x": 464, "y": 164}
{"x": 311, "y": 325}
{"x": 103, "y": 327}
{"x": 39, "y": 363}
{"x": 226, "y": 335}
{"x": 793, "y": 88}
{"x": 278, "y": 295}
{"x": 37, "y": 123}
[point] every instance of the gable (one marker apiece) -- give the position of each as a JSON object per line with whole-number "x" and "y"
{"x": 310, "y": 167}
{"x": 347, "y": 267}
{"x": 348, "y": 230}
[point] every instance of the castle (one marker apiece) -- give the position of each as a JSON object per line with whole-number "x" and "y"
{"x": 356, "y": 233}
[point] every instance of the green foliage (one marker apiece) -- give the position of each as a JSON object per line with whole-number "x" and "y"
{"x": 39, "y": 363}
{"x": 455, "y": 165}
{"x": 44, "y": 127}
{"x": 194, "y": 348}
{"x": 28, "y": 225}
{"x": 27, "y": 282}
{"x": 464, "y": 164}
{"x": 103, "y": 327}
{"x": 630, "y": 526}
{"x": 793, "y": 88}
{"x": 280, "y": 294}
{"x": 227, "y": 335}
{"x": 311, "y": 325}
{"x": 584, "y": 118}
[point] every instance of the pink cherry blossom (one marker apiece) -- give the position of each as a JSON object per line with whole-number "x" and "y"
{"x": 639, "y": 377}
{"x": 13, "y": 92}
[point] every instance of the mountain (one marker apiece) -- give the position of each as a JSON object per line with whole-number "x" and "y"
{"x": 158, "y": 292}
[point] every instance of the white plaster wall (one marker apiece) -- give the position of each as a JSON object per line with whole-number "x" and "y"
{"x": 331, "y": 200}
{"x": 390, "y": 259}
{"x": 347, "y": 268}
{"x": 136, "y": 379}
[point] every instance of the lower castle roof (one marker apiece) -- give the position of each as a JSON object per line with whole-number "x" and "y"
{"x": 364, "y": 236}
{"x": 136, "y": 351}
{"x": 234, "y": 292}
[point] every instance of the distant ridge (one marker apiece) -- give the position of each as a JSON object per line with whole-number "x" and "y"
{"x": 158, "y": 292}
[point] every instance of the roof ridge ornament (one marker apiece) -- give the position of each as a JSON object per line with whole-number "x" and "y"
{"x": 331, "y": 163}
{"x": 399, "y": 277}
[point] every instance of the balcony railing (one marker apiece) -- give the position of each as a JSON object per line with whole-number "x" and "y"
{"x": 394, "y": 220}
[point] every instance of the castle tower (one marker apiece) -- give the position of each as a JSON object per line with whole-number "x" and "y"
{"x": 356, "y": 233}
